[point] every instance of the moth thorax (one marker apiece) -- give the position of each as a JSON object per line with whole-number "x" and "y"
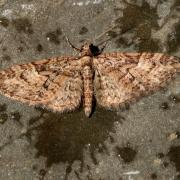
{"x": 86, "y": 61}
{"x": 86, "y": 53}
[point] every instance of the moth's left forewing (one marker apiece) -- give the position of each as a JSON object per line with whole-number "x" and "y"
{"x": 109, "y": 70}
{"x": 124, "y": 77}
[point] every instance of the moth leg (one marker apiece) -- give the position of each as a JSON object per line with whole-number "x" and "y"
{"x": 103, "y": 47}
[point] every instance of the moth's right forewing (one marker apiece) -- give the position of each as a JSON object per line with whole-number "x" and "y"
{"x": 44, "y": 82}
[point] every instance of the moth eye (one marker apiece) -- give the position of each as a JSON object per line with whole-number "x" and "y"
{"x": 94, "y": 49}
{"x": 91, "y": 46}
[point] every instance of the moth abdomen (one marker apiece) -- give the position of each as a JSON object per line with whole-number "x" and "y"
{"x": 88, "y": 89}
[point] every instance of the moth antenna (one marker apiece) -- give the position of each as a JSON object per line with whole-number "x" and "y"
{"x": 69, "y": 42}
{"x": 71, "y": 45}
{"x": 105, "y": 33}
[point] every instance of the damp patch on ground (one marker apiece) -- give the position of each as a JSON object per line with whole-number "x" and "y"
{"x": 63, "y": 138}
{"x": 23, "y": 25}
{"x": 53, "y": 36}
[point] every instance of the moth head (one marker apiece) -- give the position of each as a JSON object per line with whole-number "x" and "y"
{"x": 88, "y": 49}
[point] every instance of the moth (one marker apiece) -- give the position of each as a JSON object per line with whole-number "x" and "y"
{"x": 113, "y": 79}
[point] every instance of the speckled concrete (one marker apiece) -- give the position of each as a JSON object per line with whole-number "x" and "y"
{"x": 140, "y": 142}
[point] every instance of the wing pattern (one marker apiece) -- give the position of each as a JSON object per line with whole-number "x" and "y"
{"x": 118, "y": 78}
{"x": 53, "y": 83}
{"x": 121, "y": 78}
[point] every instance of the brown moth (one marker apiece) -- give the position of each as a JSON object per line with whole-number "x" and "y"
{"x": 113, "y": 79}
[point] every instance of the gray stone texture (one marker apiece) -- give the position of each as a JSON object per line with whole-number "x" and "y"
{"x": 139, "y": 142}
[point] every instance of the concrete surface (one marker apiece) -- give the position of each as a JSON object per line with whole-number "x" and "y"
{"x": 138, "y": 143}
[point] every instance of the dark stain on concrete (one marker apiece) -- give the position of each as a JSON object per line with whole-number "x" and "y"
{"x": 160, "y": 155}
{"x": 6, "y": 57}
{"x": 13, "y": 115}
{"x": 174, "y": 98}
{"x": 54, "y": 36}
{"x": 68, "y": 171}
{"x": 58, "y": 31}
{"x": 177, "y": 177}
{"x": 174, "y": 39}
{"x": 176, "y": 3}
{"x": 127, "y": 153}
{"x": 3, "y": 118}
{"x": 89, "y": 175}
{"x": 112, "y": 34}
{"x": 63, "y": 137}
{"x": 153, "y": 176}
{"x": 33, "y": 120}
{"x": 16, "y": 117}
{"x": 102, "y": 149}
{"x": 138, "y": 20}
{"x": 39, "y": 48}
{"x": 42, "y": 174}
{"x": 3, "y": 114}
{"x": 20, "y": 49}
{"x": 165, "y": 164}
{"x": 123, "y": 42}
{"x": 4, "y": 48}
{"x": 83, "y": 30}
{"x": 77, "y": 175}
{"x": 134, "y": 16}
{"x": 164, "y": 106}
{"x": 111, "y": 139}
{"x": 146, "y": 43}
{"x": 23, "y": 25}
{"x": 3, "y": 107}
{"x": 34, "y": 167}
{"x": 174, "y": 156}
{"x": 4, "y": 22}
